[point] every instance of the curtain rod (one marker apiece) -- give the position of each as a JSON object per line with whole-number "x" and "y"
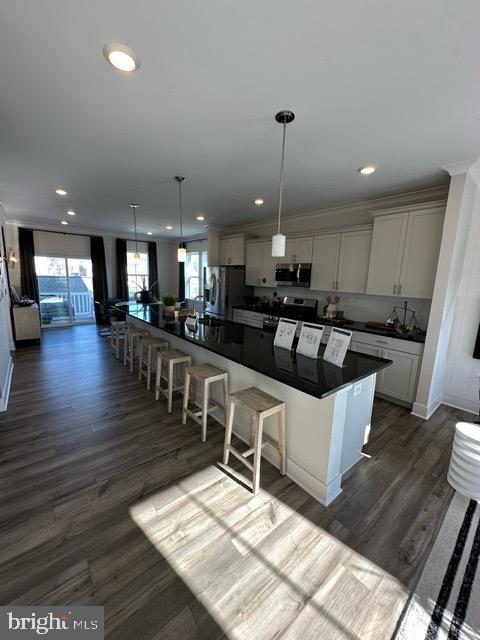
{"x": 84, "y": 235}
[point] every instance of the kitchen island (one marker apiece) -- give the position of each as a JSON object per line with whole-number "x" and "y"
{"x": 328, "y": 407}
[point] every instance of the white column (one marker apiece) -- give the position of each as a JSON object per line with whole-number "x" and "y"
{"x": 462, "y": 209}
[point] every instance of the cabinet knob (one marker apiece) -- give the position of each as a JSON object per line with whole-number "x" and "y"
{"x": 264, "y": 280}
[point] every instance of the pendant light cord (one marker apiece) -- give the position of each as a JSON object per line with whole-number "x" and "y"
{"x": 135, "y": 225}
{"x": 181, "y": 212}
{"x": 280, "y": 190}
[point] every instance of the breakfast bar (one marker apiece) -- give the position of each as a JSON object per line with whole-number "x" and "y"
{"x": 328, "y": 407}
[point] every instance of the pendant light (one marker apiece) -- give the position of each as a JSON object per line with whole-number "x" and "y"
{"x": 136, "y": 255}
{"x": 279, "y": 240}
{"x": 181, "y": 251}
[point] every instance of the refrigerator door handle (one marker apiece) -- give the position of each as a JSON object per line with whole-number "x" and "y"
{"x": 213, "y": 290}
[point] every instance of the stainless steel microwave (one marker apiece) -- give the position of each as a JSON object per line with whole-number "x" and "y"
{"x": 293, "y": 274}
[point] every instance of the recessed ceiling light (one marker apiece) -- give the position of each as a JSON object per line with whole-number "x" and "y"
{"x": 121, "y": 57}
{"x": 368, "y": 170}
{"x": 60, "y": 192}
{"x": 258, "y": 201}
{"x": 169, "y": 227}
{"x": 71, "y": 212}
{"x": 149, "y": 233}
{"x": 200, "y": 218}
{"x": 64, "y": 222}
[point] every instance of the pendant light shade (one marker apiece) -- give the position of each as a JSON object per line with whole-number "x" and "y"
{"x": 181, "y": 251}
{"x": 136, "y": 255}
{"x": 279, "y": 240}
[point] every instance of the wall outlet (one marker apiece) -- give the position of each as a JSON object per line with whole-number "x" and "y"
{"x": 357, "y": 390}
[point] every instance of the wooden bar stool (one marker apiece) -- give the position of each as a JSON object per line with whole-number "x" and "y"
{"x": 170, "y": 358}
{"x": 204, "y": 374}
{"x": 117, "y": 334}
{"x": 130, "y": 350}
{"x": 260, "y": 405}
{"x": 147, "y": 346}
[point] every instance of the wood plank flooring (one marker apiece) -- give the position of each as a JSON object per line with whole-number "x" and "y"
{"x": 108, "y": 500}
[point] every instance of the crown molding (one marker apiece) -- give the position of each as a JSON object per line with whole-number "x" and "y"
{"x": 407, "y": 198}
{"x": 458, "y": 167}
{"x": 419, "y": 206}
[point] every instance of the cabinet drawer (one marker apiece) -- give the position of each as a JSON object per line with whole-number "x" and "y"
{"x": 256, "y": 319}
{"x": 382, "y": 342}
{"x": 241, "y": 316}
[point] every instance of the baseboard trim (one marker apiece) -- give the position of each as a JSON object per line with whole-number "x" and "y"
{"x": 426, "y": 411}
{"x": 7, "y": 383}
{"x": 461, "y": 403}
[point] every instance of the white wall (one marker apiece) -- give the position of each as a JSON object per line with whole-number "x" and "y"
{"x": 6, "y": 342}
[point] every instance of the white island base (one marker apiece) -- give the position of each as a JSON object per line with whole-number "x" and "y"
{"x": 325, "y": 436}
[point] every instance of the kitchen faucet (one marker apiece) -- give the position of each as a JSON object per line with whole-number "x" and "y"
{"x": 199, "y": 297}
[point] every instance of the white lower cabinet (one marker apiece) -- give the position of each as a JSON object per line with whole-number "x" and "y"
{"x": 399, "y": 380}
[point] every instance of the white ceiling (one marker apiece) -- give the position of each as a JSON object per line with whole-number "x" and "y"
{"x": 393, "y": 84}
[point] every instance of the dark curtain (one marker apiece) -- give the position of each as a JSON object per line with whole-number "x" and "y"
{"x": 122, "y": 278}
{"x": 181, "y": 277}
{"x": 153, "y": 268}
{"x": 28, "y": 276}
{"x": 99, "y": 273}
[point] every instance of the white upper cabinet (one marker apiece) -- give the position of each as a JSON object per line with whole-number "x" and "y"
{"x": 253, "y": 266}
{"x": 298, "y": 250}
{"x": 232, "y": 251}
{"x": 326, "y": 251}
{"x": 260, "y": 264}
{"x": 386, "y": 255}
{"x": 269, "y": 264}
{"x": 353, "y": 261}
{"x": 422, "y": 246}
{"x": 404, "y": 255}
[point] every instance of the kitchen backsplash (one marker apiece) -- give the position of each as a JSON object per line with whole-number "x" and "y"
{"x": 356, "y": 306}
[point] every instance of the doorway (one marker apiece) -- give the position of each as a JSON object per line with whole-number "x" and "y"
{"x": 65, "y": 286}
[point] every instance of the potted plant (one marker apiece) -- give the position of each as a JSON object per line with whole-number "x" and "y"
{"x": 144, "y": 293}
{"x": 169, "y": 300}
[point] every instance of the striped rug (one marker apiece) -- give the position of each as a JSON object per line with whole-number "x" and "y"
{"x": 446, "y": 601}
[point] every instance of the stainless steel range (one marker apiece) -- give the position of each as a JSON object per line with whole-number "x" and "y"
{"x": 293, "y": 308}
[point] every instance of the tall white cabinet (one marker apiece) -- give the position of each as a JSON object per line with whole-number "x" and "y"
{"x": 404, "y": 253}
{"x": 260, "y": 265}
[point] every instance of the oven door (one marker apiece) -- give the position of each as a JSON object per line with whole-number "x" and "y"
{"x": 293, "y": 275}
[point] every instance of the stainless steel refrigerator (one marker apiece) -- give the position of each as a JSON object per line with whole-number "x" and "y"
{"x": 225, "y": 288}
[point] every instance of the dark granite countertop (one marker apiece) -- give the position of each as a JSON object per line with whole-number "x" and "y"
{"x": 351, "y": 326}
{"x": 253, "y": 348}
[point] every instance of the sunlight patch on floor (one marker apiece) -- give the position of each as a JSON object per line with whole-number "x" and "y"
{"x": 261, "y": 568}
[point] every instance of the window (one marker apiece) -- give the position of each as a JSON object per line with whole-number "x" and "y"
{"x": 66, "y": 290}
{"x": 194, "y": 273}
{"x": 137, "y": 272}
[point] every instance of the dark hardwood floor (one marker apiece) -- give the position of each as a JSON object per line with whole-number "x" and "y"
{"x": 108, "y": 500}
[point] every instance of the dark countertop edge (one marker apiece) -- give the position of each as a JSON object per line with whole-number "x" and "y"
{"x": 352, "y": 326}
{"x": 318, "y": 396}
